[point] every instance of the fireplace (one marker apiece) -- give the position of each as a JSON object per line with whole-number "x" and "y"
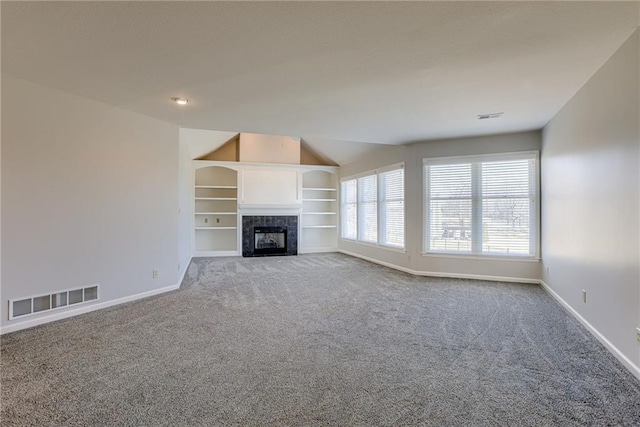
{"x": 269, "y": 240}
{"x": 269, "y": 235}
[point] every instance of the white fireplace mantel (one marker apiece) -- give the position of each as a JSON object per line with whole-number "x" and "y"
{"x": 269, "y": 209}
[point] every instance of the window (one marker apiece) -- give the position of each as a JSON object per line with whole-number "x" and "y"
{"x": 483, "y": 205}
{"x": 392, "y": 208}
{"x": 368, "y": 209}
{"x": 349, "y": 211}
{"x": 372, "y": 207}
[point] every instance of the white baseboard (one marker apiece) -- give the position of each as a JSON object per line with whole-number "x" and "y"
{"x": 317, "y": 250}
{"x": 184, "y": 271}
{"x": 635, "y": 369}
{"x": 29, "y": 323}
{"x": 205, "y": 254}
{"x": 441, "y": 274}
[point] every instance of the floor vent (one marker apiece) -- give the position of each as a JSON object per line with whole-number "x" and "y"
{"x": 41, "y": 303}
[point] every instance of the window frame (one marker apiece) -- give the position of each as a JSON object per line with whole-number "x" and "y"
{"x": 376, "y": 173}
{"x": 343, "y": 203}
{"x": 534, "y": 208}
{"x": 384, "y": 201}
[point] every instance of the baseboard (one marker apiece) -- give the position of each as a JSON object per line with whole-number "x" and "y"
{"x": 441, "y": 274}
{"x": 317, "y": 250}
{"x": 184, "y": 271}
{"x": 207, "y": 254}
{"x": 635, "y": 369}
{"x": 83, "y": 309}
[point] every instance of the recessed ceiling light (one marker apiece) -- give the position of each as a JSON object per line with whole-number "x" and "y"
{"x": 489, "y": 116}
{"x": 180, "y": 101}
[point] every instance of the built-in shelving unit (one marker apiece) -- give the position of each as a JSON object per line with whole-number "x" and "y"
{"x": 319, "y": 217}
{"x": 225, "y": 191}
{"x": 215, "y": 211}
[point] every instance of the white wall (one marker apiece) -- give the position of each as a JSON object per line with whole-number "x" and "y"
{"x": 412, "y": 259}
{"x": 89, "y": 195}
{"x": 185, "y": 200}
{"x": 590, "y": 203}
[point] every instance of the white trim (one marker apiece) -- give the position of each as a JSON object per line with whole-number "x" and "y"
{"x": 84, "y": 309}
{"x": 237, "y": 166}
{"x": 632, "y": 367}
{"x": 450, "y": 160}
{"x": 376, "y": 245}
{"x": 205, "y": 254}
{"x": 317, "y": 250}
{"x": 635, "y": 369}
{"x": 442, "y": 274}
{"x": 481, "y": 257}
{"x": 534, "y": 242}
{"x": 184, "y": 271}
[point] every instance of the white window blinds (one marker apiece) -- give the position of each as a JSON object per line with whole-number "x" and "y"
{"x": 392, "y": 208}
{"x": 482, "y": 205}
{"x": 372, "y": 207}
{"x": 349, "y": 209}
{"x": 368, "y": 209}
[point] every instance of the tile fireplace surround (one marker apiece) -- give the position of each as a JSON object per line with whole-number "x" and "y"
{"x": 251, "y": 221}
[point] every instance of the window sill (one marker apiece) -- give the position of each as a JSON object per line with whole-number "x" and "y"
{"x": 375, "y": 245}
{"x": 517, "y": 258}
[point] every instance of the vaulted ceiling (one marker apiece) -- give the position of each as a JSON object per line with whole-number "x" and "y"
{"x": 333, "y": 73}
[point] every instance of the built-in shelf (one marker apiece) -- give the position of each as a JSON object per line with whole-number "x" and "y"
{"x": 215, "y": 212}
{"x": 319, "y": 212}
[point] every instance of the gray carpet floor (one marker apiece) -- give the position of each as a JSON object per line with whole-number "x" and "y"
{"x": 317, "y": 340}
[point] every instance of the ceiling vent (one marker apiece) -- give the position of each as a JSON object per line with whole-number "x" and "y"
{"x": 489, "y": 116}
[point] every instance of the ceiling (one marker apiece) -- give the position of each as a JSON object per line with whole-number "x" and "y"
{"x": 333, "y": 73}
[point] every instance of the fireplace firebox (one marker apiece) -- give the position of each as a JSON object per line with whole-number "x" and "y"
{"x": 270, "y": 240}
{"x": 269, "y": 235}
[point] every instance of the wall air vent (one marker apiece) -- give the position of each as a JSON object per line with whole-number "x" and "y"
{"x": 489, "y": 116}
{"x": 42, "y": 303}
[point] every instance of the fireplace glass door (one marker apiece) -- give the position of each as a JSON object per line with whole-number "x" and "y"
{"x": 270, "y": 240}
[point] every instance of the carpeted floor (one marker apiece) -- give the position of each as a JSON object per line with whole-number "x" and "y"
{"x": 317, "y": 340}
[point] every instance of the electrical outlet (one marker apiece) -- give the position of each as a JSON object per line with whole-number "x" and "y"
{"x": 217, "y": 220}
{"x": 206, "y": 220}
{"x": 584, "y": 296}
{"x": 155, "y": 274}
{"x": 638, "y": 335}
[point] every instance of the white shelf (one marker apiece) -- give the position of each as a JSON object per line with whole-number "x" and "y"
{"x": 318, "y": 213}
{"x": 216, "y": 195}
{"x": 216, "y": 213}
{"x": 216, "y": 228}
{"x": 318, "y": 229}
